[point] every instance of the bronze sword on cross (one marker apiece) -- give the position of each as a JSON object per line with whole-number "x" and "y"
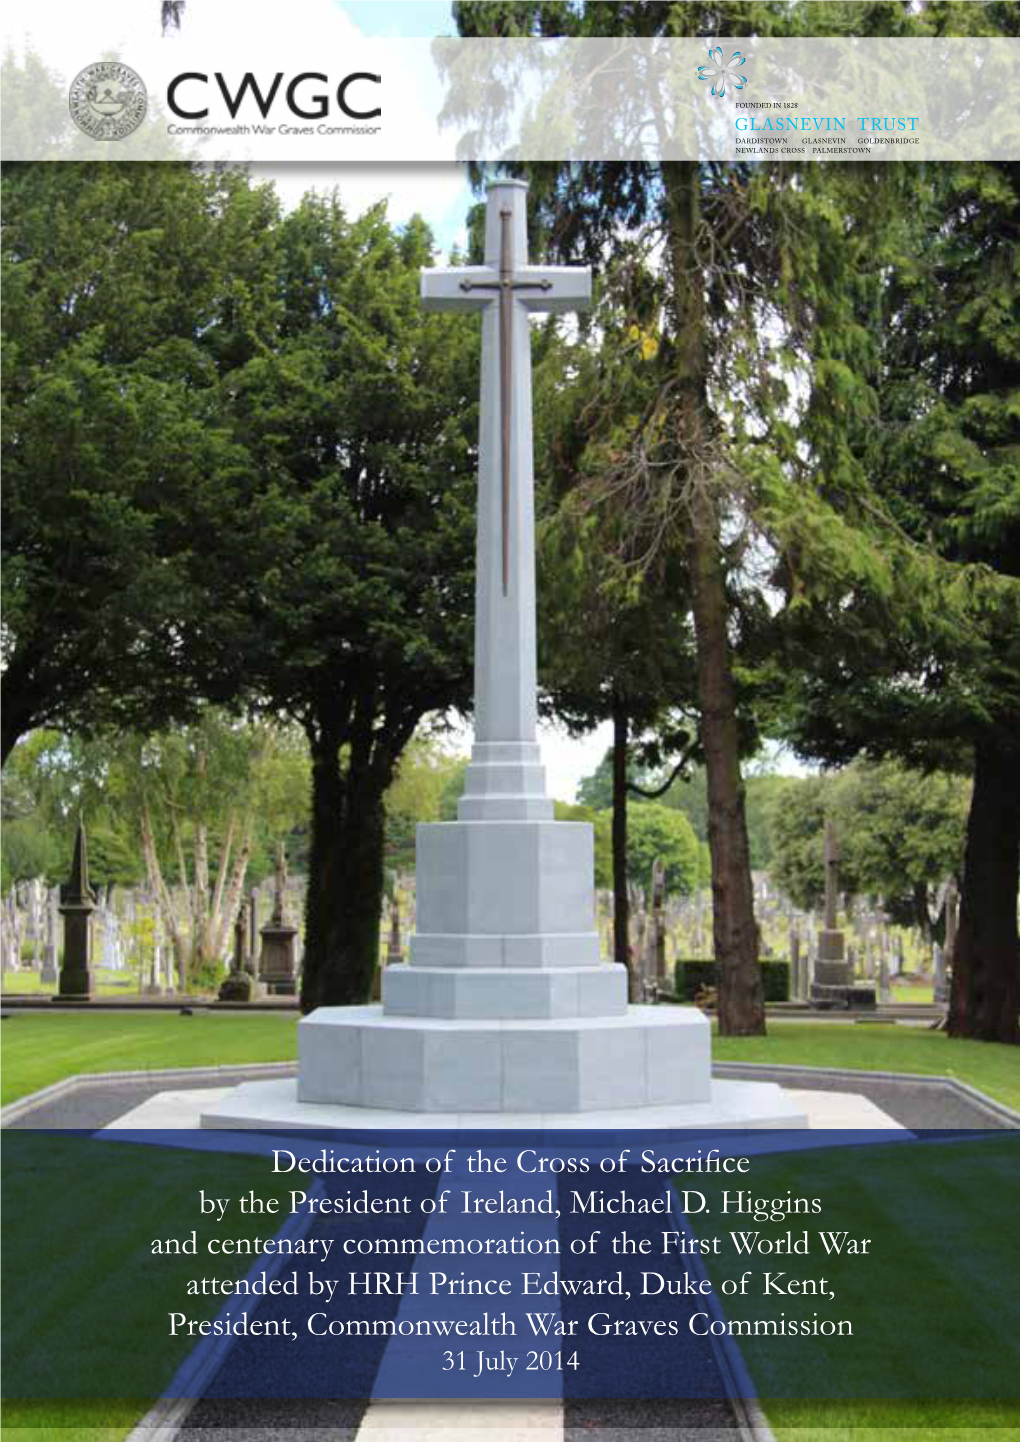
{"x": 505, "y": 285}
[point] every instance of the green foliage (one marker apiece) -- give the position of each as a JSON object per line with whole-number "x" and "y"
{"x": 903, "y": 553}
{"x": 901, "y": 834}
{"x": 654, "y": 832}
{"x": 690, "y": 977}
{"x": 798, "y": 865}
{"x": 357, "y": 518}
{"x": 452, "y": 791}
{"x": 596, "y": 790}
{"x": 424, "y": 777}
{"x": 28, "y": 849}
{"x": 123, "y": 287}
{"x": 603, "y": 846}
{"x": 633, "y": 655}
{"x": 239, "y": 458}
{"x": 689, "y": 795}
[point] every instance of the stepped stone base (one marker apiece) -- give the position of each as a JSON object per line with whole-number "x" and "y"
{"x": 76, "y": 985}
{"x": 730, "y": 1104}
{"x": 512, "y": 894}
{"x": 833, "y": 973}
{"x": 853, "y": 997}
{"x": 506, "y": 993}
{"x": 359, "y": 1057}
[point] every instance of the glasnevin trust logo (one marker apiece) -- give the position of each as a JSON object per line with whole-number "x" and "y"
{"x": 722, "y": 72}
{"x": 107, "y": 100}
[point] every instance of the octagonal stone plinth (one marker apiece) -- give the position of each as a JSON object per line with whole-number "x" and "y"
{"x": 505, "y": 894}
{"x": 505, "y": 993}
{"x": 650, "y": 1056}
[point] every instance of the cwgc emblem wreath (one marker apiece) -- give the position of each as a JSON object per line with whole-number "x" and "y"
{"x": 108, "y": 100}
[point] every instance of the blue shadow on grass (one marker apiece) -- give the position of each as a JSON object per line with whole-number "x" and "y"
{"x": 511, "y": 1264}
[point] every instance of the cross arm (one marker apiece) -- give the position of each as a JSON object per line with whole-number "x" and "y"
{"x": 444, "y": 289}
{"x": 569, "y": 287}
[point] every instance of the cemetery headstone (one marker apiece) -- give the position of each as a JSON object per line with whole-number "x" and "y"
{"x": 833, "y": 984}
{"x": 798, "y": 989}
{"x": 394, "y": 950}
{"x": 940, "y": 985}
{"x": 952, "y": 906}
{"x": 884, "y": 988}
{"x": 240, "y": 984}
{"x": 277, "y": 968}
{"x": 77, "y": 903}
{"x": 48, "y": 975}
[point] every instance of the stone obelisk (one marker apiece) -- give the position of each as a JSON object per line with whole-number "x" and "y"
{"x": 77, "y": 903}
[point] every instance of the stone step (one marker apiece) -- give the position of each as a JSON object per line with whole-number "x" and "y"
{"x": 359, "y": 1056}
{"x": 506, "y": 992}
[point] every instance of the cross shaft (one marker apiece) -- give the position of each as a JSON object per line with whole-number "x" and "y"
{"x": 505, "y": 285}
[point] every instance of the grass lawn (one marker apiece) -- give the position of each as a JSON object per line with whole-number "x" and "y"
{"x": 104, "y": 1317}
{"x": 988, "y": 1066}
{"x": 108, "y": 983}
{"x": 40, "y": 1049}
{"x": 933, "y": 1305}
{"x": 912, "y": 993}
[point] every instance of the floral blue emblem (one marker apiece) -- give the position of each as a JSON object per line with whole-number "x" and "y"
{"x": 723, "y": 72}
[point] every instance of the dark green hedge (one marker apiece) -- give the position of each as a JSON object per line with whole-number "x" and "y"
{"x": 690, "y": 976}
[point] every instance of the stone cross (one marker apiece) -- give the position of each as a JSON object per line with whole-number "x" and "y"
{"x": 77, "y": 903}
{"x": 833, "y": 856}
{"x": 505, "y": 780}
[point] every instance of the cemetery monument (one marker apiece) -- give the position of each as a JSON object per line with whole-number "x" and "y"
{"x": 277, "y": 969}
{"x": 505, "y": 1008}
{"x": 833, "y": 983}
{"x": 77, "y": 903}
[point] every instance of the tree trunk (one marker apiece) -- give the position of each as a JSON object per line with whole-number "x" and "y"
{"x": 741, "y": 996}
{"x": 345, "y": 881}
{"x": 621, "y": 895}
{"x": 985, "y": 995}
{"x": 19, "y": 708}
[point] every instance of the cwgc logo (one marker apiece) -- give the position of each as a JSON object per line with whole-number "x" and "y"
{"x": 108, "y": 100}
